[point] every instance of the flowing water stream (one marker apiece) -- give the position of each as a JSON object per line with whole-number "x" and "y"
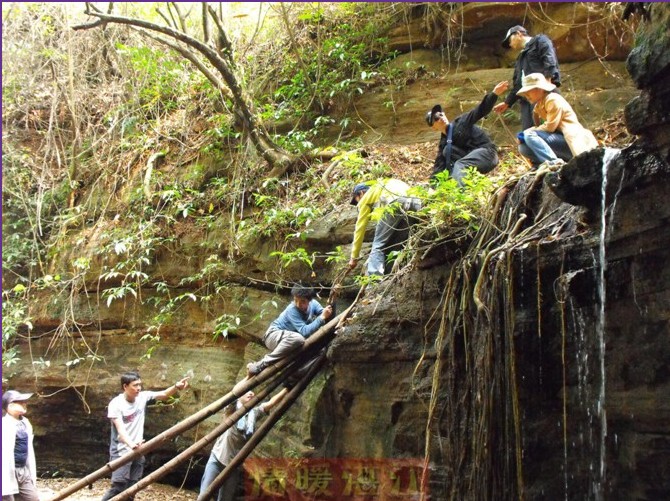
{"x": 609, "y": 156}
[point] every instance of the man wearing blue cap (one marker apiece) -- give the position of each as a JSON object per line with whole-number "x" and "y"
{"x": 391, "y": 230}
{"x": 19, "y": 473}
{"x": 537, "y": 55}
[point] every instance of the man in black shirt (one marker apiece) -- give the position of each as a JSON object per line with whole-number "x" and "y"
{"x": 470, "y": 146}
{"x": 537, "y": 55}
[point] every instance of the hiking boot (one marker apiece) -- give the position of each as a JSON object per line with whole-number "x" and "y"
{"x": 255, "y": 368}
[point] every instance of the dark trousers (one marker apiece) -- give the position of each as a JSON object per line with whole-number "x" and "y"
{"x": 482, "y": 159}
{"x": 526, "y": 110}
{"x": 125, "y": 476}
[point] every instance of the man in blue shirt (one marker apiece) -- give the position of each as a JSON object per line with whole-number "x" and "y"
{"x": 286, "y": 335}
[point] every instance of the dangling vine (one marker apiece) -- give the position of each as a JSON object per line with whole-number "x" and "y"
{"x": 473, "y": 424}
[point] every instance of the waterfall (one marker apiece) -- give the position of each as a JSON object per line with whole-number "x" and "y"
{"x": 608, "y": 157}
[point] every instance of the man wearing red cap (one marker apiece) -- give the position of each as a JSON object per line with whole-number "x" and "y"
{"x": 19, "y": 474}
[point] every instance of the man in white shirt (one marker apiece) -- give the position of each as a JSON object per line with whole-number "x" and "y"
{"x": 126, "y": 412}
{"x": 19, "y": 474}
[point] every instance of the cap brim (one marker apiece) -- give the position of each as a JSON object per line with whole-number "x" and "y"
{"x": 18, "y": 397}
{"x": 430, "y": 116}
{"x": 22, "y": 397}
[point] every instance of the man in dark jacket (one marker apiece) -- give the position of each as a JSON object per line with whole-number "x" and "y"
{"x": 470, "y": 145}
{"x": 537, "y": 56}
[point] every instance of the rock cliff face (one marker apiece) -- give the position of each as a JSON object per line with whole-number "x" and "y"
{"x": 534, "y": 362}
{"x": 545, "y": 346}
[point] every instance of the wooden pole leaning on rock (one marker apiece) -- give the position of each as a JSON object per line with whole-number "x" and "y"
{"x": 185, "y": 455}
{"x": 240, "y": 389}
{"x": 267, "y": 425}
{"x": 263, "y": 429}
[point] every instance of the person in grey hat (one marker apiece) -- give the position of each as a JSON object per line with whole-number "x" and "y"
{"x": 536, "y": 55}
{"x": 469, "y": 145}
{"x": 19, "y": 472}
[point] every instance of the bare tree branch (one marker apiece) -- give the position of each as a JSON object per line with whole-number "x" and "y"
{"x": 165, "y": 18}
{"x": 174, "y": 21}
{"x": 279, "y": 159}
{"x": 205, "y": 23}
{"x": 182, "y": 18}
{"x": 224, "y": 45}
{"x": 190, "y": 56}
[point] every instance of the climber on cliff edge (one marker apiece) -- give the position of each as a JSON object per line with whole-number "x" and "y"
{"x": 287, "y": 333}
{"x": 462, "y": 143}
{"x": 536, "y": 55}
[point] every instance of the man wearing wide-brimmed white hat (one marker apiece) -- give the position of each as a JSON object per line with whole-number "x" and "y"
{"x": 560, "y": 136}
{"x": 19, "y": 473}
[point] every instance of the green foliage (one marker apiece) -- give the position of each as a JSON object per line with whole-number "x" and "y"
{"x": 279, "y": 218}
{"x": 14, "y": 318}
{"x": 165, "y": 78}
{"x": 226, "y": 324}
{"x": 299, "y": 255}
{"x": 336, "y": 257}
{"x": 448, "y": 204}
{"x": 343, "y": 63}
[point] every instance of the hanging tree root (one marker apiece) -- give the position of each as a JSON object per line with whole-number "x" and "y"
{"x": 474, "y": 380}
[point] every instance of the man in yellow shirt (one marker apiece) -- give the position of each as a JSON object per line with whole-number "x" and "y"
{"x": 392, "y": 228}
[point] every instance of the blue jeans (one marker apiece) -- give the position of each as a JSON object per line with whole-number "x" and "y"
{"x": 391, "y": 232}
{"x": 212, "y": 470}
{"x": 541, "y": 146}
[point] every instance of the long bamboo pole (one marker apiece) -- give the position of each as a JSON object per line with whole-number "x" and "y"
{"x": 240, "y": 389}
{"x": 263, "y": 430}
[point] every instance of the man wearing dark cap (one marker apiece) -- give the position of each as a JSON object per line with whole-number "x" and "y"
{"x": 287, "y": 333}
{"x": 391, "y": 230}
{"x": 537, "y": 55}
{"x": 19, "y": 474}
{"x": 462, "y": 143}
